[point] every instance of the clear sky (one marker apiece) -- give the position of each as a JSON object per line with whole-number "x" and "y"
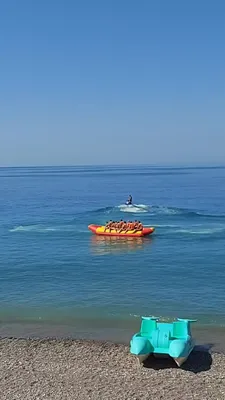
{"x": 112, "y": 82}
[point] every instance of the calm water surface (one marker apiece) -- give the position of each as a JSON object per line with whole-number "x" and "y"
{"x": 57, "y": 278}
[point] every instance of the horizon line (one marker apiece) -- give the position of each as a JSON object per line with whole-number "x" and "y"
{"x": 155, "y": 165}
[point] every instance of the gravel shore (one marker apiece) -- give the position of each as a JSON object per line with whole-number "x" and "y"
{"x": 81, "y": 369}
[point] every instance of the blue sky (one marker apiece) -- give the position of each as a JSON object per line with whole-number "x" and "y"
{"x": 112, "y": 82}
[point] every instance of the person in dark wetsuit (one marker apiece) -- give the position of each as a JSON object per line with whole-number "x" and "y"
{"x": 129, "y": 201}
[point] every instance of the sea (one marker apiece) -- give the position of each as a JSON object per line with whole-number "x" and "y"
{"x": 58, "y": 279}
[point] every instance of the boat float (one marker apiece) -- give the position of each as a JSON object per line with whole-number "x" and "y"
{"x": 100, "y": 230}
{"x": 162, "y": 338}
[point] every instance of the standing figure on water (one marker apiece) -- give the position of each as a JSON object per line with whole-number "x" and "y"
{"x": 129, "y": 200}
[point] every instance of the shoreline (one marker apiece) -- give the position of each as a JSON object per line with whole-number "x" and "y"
{"x": 199, "y": 347}
{"x": 206, "y": 335}
{"x": 89, "y": 369}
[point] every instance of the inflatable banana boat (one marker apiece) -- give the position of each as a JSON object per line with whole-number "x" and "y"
{"x": 100, "y": 230}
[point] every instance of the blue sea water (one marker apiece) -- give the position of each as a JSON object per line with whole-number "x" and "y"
{"x": 57, "y": 278}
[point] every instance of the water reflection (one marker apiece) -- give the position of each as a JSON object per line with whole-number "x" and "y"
{"x": 102, "y": 245}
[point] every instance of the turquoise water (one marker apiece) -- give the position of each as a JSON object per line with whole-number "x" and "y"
{"x": 57, "y": 277}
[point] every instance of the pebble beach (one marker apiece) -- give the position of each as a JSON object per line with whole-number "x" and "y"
{"x": 81, "y": 369}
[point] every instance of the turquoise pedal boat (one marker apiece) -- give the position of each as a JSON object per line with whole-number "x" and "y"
{"x": 162, "y": 338}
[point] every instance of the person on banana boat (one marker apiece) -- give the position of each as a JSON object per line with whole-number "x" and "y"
{"x": 123, "y": 226}
{"x": 132, "y": 225}
{"x": 120, "y": 224}
{"x": 140, "y": 226}
{"x": 136, "y": 225}
{"x": 129, "y": 226}
{"x": 113, "y": 225}
{"x": 116, "y": 226}
{"x": 109, "y": 225}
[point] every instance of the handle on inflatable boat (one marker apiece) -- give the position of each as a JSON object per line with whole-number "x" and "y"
{"x": 186, "y": 320}
{"x": 152, "y": 318}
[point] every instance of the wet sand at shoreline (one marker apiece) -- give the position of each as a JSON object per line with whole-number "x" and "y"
{"x": 207, "y": 335}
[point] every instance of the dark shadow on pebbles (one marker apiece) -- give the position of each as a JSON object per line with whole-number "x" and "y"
{"x": 199, "y": 360}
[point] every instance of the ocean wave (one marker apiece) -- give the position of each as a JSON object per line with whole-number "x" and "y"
{"x": 157, "y": 210}
{"x": 164, "y": 226}
{"x": 170, "y": 211}
{"x": 104, "y": 210}
{"x": 163, "y": 210}
{"x": 161, "y": 318}
{"x": 134, "y": 208}
{"x": 154, "y": 210}
{"x": 201, "y": 231}
{"x": 80, "y": 223}
{"x": 44, "y": 229}
{"x": 25, "y": 228}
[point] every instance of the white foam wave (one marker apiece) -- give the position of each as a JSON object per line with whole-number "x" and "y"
{"x": 204, "y": 231}
{"x": 153, "y": 210}
{"x": 135, "y": 315}
{"x": 164, "y": 226}
{"x": 25, "y": 228}
{"x": 160, "y": 317}
{"x": 41, "y": 228}
{"x": 165, "y": 210}
{"x": 133, "y": 208}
